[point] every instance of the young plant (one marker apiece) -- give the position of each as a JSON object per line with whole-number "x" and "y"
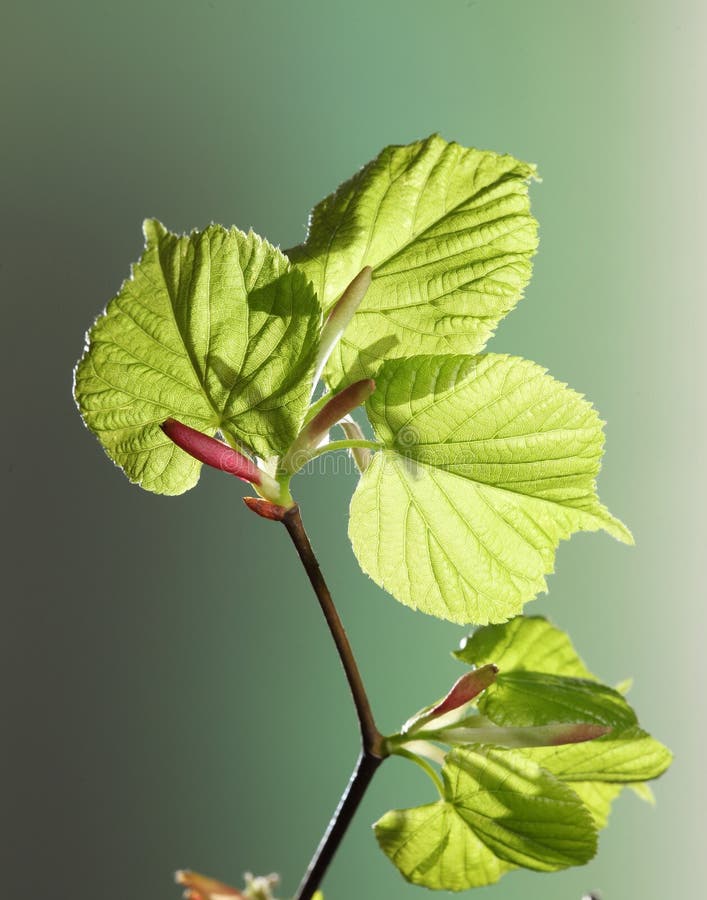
{"x": 480, "y": 463}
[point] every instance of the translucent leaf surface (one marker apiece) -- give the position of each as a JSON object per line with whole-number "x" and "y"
{"x": 213, "y": 329}
{"x": 526, "y": 643}
{"x": 449, "y": 236}
{"x": 623, "y": 756}
{"x": 499, "y": 810}
{"x": 432, "y": 846}
{"x": 536, "y": 698}
{"x": 597, "y": 796}
{"x": 488, "y": 464}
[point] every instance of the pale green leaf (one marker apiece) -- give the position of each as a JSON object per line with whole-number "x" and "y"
{"x": 488, "y": 464}
{"x": 597, "y": 796}
{"x": 520, "y": 811}
{"x": 629, "y": 755}
{"x": 535, "y": 698}
{"x": 449, "y": 236}
{"x": 213, "y": 329}
{"x": 526, "y": 643}
{"x": 499, "y": 810}
{"x": 432, "y": 846}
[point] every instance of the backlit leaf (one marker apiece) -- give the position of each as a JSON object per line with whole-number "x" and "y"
{"x": 213, "y": 329}
{"x": 488, "y": 464}
{"x": 449, "y": 236}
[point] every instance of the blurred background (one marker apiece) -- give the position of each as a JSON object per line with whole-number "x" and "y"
{"x": 170, "y": 696}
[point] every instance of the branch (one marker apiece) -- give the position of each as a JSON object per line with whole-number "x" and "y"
{"x": 373, "y": 750}
{"x": 370, "y": 736}
{"x": 360, "y": 779}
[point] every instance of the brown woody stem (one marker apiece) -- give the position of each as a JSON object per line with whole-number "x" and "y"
{"x": 360, "y": 779}
{"x": 371, "y": 738}
{"x": 373, "y": 750}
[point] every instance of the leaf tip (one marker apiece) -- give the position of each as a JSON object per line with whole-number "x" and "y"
{"x": 616, "y": 529}
{"x": 152, "y": 230}
{"x": 466, "y": 688}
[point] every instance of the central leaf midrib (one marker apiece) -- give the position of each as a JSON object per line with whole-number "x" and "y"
{"x": 171, "y": 304}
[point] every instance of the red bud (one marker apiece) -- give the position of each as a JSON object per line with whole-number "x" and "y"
{"x": 340, "y": 405}
{"x": 315, "y": 431}
{"x": 266, "y": 509}
{"x": 212, "y": 452}
{"x": 463, "y": 691}
{"x": 466, "y": 688}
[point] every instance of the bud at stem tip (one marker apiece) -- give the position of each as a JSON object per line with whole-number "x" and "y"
{"x": 212, "y": 452}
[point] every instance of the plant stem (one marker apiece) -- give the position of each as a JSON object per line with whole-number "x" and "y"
{"x": 360, "y": 779}
{"x": 373, "y": 750}
{"x": 371, "y": 738}
{"x": 306, "y": 457}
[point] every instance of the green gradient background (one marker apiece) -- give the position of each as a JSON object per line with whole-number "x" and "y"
{"x": 170, "y": 697}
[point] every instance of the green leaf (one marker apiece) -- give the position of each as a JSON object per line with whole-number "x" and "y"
{"x": 432, "y": 846}
{"x": 499, "y": 810}
{"x": 536, "y": 698}
{"x": 449, "y": 236}
{"x": 489, "y": 463}
{"x": 521, "y": 812}
{"x": 630, "y": 755}
{"x": 597, "y": 796}
{"x": 213, "y": 329}
{"x": 526, "y": 643}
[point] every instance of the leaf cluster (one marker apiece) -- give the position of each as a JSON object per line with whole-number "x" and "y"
{"x": 530, "y": 766}
{"x": 474, "y": 466}
{"x": 483, "y": 461}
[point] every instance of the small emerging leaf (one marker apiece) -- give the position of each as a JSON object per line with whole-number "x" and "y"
{"x": 317, "y": 429}
{"x": 341, "y": 314}
{"x": 536, "y": 698}
{"x": 526, "y": 643}
{"x": 462, "y": 692}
